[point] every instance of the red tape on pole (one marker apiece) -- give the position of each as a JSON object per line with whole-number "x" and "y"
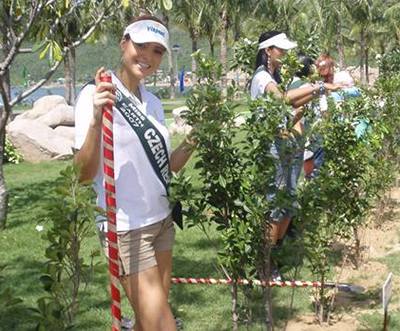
{"x": 108, "y": 166}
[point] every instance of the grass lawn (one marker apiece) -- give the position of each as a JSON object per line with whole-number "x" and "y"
{"x": 201, "y": 307}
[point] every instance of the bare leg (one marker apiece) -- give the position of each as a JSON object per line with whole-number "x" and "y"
{"x": 164, "y": 261}
{"x": 148, "y": 299}
{"x": 283, "y": 226}
{"x": 274, "y": 233}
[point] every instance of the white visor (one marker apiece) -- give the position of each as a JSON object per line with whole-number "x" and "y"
{"x": 148, "y": 31}
{"x": 280, "y": 41}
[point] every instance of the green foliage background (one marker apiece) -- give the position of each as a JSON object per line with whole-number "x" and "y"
{"x": 92, "y": 56}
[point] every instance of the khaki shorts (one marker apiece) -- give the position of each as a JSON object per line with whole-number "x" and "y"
{"x": 137, "y": 247}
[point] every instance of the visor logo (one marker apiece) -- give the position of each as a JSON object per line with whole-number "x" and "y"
{"x": 155, "y": 30}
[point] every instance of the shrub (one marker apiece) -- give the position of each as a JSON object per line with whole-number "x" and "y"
{"x": 71, "y": 212}
{"x": 11, "y": 154}
{"x": 390, "y": 62}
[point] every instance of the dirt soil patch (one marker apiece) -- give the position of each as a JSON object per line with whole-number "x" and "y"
{"x": 376, "y": 243}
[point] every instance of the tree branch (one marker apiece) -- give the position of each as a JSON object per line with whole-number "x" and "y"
{"x": 52, "y": 30}
{"x": 39, "y": 84}
{"x": 35, "y": 12}
{"x": 93, "y": 28}
{"x": 25, "y": 50}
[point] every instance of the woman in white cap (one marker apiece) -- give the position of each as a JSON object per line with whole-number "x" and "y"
{"x": 273, "y": 45}
{"x": 142, "y": 163}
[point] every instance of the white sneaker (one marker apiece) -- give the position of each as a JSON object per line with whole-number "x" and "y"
{"x": 127, "y": 323}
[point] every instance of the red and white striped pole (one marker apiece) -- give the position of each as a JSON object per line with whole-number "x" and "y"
{"x": 108, "y": 166}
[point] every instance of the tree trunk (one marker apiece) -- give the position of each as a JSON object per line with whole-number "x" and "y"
{"x": 5, "y": 112}
{"x": 3, "y": 188}
{"x": 212, "y": 47}
{"x": 171, "y": 73}
{"x": 340, "y": 46}
{"x": 264, "y": 272}
{"x": 357, "y": 247}
{"x": 269, "y": 322}
{"x": 362, "y": 55}
{"x": 194, "y": 65}
{"x": 235, "y": 317}
{"x": 223, "y": 54}
{"x": 367, "y": 65}
{"x": 70, "y": 74}
{"x": 237, "y": 28}
{"x": 172, "y": 76}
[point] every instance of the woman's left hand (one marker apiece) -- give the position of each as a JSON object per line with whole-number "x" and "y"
{"x": 333, "y": 87}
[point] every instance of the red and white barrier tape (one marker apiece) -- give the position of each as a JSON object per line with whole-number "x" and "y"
{"x": 108, "y": 166}
{"x": 287, "y": 283}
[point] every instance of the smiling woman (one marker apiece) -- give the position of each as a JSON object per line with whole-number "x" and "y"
{"x": 143, "y": 161}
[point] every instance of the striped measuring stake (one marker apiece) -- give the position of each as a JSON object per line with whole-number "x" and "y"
{"x": 288, "y": 283}
{"x": 108, "y": 166}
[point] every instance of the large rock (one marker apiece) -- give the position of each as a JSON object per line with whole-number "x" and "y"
{"x": 66, "y": 132}
{"x": 42, "y": 106}
{"x": 179, "y": 126}
{"x": 37, "y": 142}
{"x": 60, "y": 115}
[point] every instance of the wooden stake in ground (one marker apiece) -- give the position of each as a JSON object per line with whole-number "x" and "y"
{"x": 108, "y": 166}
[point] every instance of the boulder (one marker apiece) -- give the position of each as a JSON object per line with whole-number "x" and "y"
{"x": 179, "y": 126}
{"x": 66, "y": 132}
{"x": 42, "y": 106}
{"x": 177, "y": 115}
{"x": 60, "y": 115}
{"x": 37, "y": 142}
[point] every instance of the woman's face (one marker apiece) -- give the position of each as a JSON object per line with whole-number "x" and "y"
{"x": 141, "y": 60}
{"x": 274, "y": 55}
{"x": 325, "y": 69}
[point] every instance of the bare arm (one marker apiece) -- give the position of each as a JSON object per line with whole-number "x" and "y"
{"x": 181, "y": 154}
{"x": 88, "y": 157}
{"x": 299, "y": 96}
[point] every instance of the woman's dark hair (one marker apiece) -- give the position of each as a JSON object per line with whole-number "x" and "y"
{"x": 307, "y": 63}
{"x": 262, "y": 56}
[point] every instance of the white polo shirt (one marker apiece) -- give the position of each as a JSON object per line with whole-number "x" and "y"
{"x": 140, "y": 195}
{"x": 260, "y": 80}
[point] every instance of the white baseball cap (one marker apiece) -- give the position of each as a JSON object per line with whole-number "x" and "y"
{"x": 148, "y": 31}
{"x": 280, "y": 41}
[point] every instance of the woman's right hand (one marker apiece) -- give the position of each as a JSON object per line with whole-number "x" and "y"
{"x": 103, "y": 95}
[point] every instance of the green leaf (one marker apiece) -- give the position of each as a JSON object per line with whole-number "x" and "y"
{"x": 57, "y": 52}
{"x": 125, "y": 3}
{"x": 43, "y": 53}
{"x": 167, "y": 4}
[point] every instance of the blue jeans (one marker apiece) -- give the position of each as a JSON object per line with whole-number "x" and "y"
{"x": 288, "y": 156}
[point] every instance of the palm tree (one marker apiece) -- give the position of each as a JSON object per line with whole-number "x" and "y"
{"x": 188, "y": 14}
{"x": 210, "y": 25}
{"x": 391, "y": 27}
{"x": 361, "y": 13}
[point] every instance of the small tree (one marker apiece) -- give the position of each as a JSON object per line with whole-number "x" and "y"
{"x": 236, "y": 172}
{"x": 22, "y": 22}
{"x": 71, "y": 212}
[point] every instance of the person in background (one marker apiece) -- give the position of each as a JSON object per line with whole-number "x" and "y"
{"x": 314, "y": 154}
{"x": 144, "y": 223}
{"x": 272, "y": 46}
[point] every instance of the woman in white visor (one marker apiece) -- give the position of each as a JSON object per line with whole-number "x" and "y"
{"x": 273, "y": 45}
{"x": 142, "y": 163}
